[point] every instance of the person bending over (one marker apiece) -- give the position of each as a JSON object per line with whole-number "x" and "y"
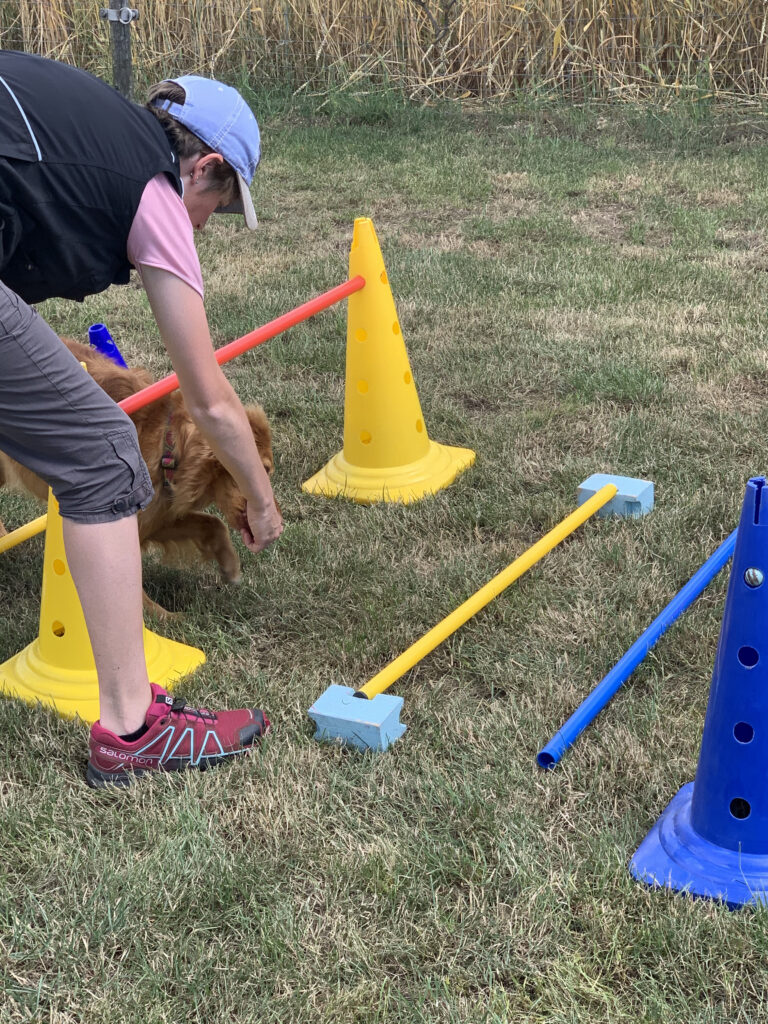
{"x": 92, "y": 186}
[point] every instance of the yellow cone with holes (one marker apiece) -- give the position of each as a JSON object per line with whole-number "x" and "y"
{"x": 58, "y": 667}
{"x": 387, "y": 455}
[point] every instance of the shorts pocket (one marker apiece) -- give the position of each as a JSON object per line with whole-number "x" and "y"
{"x": 125, "y": 446}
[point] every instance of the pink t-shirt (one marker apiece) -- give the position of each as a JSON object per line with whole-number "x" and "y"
{"x": 162, "y": 235}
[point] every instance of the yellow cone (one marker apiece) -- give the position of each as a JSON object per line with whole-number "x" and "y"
{"x": 387, "y": 455}
{"x": 58, "y": 667}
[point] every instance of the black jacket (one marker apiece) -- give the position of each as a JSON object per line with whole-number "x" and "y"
{"x": 75, "y": 157}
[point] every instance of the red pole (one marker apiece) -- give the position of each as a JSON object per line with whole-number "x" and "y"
{"x": 235, "y": 348}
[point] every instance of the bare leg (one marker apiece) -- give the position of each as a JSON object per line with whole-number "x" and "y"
{"x": 105, "y": 562}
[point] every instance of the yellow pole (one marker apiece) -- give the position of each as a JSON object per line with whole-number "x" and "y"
{"x": 397, "y": 668}
{"x": 10, "y": 540}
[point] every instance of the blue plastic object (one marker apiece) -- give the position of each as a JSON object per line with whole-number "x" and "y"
{"x": 635, "y": 497}
{"x": 100, "y": 339}
{"x": 357, "y": 722}
{"x": 590, "y": 708}
{"x": 712, "y": 839}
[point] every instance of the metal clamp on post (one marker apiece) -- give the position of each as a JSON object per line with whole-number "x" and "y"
{"x": 125, "y": 15}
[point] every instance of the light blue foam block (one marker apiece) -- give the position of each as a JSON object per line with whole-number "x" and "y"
{"x": 634, "y": 498}
{"x": 356, "y": 721}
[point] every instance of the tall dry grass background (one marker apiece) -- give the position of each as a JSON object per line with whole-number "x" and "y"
{"x": 482, "y": 48}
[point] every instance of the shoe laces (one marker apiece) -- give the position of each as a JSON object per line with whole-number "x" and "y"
{"x": 181, "y": 707}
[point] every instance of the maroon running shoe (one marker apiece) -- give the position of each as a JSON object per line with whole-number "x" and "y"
{"x": 177, "y": 737}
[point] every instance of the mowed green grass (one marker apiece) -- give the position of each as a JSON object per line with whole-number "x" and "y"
{"x": 580, "y": 290}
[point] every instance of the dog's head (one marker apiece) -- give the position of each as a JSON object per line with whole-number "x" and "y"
{"x": 229, "y": 498}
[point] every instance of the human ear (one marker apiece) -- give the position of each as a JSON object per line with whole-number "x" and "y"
{"x": 209, "y": 160}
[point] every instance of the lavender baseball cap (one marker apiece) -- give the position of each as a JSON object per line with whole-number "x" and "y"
{"x": 219, "y": 116}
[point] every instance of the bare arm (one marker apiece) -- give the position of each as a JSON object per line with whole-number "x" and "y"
{"x": 211, "y": 401}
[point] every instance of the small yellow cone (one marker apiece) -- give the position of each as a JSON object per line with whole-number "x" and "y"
{"x": 58, "y": 667}
{"x": 387, "y": 455}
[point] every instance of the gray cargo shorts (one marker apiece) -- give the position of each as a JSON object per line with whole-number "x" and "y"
{"x": 57, "y": 422}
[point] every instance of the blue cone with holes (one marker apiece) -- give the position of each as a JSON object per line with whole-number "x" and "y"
{"x": 712, "y": 840}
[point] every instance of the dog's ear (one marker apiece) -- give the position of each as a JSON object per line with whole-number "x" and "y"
{"x": 262, "y": 435}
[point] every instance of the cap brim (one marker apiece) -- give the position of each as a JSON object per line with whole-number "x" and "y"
{"x": 243, "y": 205}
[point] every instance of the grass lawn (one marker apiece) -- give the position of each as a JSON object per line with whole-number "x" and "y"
{"x": 580, "y": 290}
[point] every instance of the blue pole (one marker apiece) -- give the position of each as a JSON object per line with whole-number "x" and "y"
{"x": 607, "y": 687}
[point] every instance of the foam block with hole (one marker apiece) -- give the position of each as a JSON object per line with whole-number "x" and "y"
{"x": 634, "y": 499}
{"x": 355, "y": 721}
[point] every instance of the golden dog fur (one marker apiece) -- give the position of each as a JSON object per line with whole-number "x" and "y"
{"x": 174, "y": 519}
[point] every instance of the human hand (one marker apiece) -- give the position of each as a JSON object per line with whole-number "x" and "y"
{"x": 262, "y": 526}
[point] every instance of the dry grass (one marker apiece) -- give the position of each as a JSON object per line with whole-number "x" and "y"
{"x": 448, "y": 881}
{"x": 476, "y": 48}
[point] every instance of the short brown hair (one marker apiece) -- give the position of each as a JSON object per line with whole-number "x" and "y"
{"x": 186, "y": 143}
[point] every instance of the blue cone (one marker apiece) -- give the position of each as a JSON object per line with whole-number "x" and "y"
{"x": 100, "y": 339}
{"x": 712, "y": 840}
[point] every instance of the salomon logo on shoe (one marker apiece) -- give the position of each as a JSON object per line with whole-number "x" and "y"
{"x": 177, "y": 737}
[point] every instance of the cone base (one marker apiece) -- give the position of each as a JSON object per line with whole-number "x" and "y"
{"x": 75, "y": 692}
{"x": 427, "y": 475}
{"x": 674, "y": 856}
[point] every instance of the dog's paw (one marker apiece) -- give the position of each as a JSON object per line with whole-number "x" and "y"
{"x": 157, "y": 611}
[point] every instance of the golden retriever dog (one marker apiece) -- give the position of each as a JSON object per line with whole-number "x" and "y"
{"x": 191, "y": 480}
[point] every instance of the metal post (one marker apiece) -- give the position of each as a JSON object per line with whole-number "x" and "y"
{"x": 120, "y": 18}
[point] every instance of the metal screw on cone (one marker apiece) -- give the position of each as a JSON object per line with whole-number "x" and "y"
{"x": 753, "y": 577}
{"x": 712, "y": 839}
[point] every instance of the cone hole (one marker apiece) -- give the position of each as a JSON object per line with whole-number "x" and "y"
{"x": 58, "y": 628}
{"x": 58, "y": 567}
{"x": 384, "y": 277}
{"x": 759, "y": 485}
{"x": 407, "y": 377}
{"x": 362, "y": 387}
{"x": 740, "y": 808}
{"x": 360, "y": 334}
{"x": 395, "y": 327}
{"x": 743, "y": 732}
{"x": 419, "y": 426}
{"x": 748, "y": 656}
{"x": 365, "y": 437}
